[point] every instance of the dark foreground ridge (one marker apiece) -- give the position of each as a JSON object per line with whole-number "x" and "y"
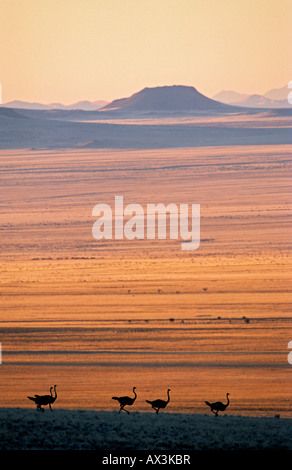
{"x": 64, "y": 429}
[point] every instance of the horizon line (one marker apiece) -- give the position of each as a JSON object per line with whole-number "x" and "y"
{"x": 146, "y": 87}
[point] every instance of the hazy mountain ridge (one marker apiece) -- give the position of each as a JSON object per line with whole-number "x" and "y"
{"x": 80, "y": 105}
{"x": 175, "y": 101}
{"x": 176, "y": 98}
{"x": 275, "y": 98}
{"x": 168, "y": 98}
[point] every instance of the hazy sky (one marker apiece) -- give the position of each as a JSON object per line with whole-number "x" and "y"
{"x": 71, "y": 50}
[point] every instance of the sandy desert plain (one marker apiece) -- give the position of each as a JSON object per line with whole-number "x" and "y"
{"x": 99, "y": 317}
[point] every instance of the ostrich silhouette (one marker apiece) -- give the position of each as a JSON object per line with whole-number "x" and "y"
{"x": 126, "y": 401}
{"x": 218, "y": 405}
{"x": 43, "y": 400}
{"x": 159, "y": 404}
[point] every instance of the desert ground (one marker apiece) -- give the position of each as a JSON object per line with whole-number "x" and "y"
{"x": 108, "y": 432}
{"x": 99, "y": 317}
{"x": 55, "y": 274}
{"x": 53, "y": 268}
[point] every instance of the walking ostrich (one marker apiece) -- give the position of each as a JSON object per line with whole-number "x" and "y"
{"x": 123, "y": 401}
{"x": 218, "y": 405}
{"x": 159, "y": 404}
{"x": 43, "y": 400}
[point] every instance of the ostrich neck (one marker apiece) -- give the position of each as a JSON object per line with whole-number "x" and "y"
{"x": 168, "y": 397}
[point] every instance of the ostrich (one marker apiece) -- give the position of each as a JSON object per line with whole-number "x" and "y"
{"x": 43, "y": 400}
{"x": 158, "y": 404}
{"x": 123, "y": 401}
{"x": 218, "y": 405}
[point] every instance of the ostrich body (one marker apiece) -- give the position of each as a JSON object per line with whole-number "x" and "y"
{"x": 218, "y": 405}
{"x": 126, "y": 401}
{"x": 159, "y": 404}
{"x": 43, "y": 400}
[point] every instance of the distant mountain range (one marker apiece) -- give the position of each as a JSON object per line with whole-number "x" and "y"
{"x": 176, "y": 98}
{"x": 80, "y": 105}
{"x": 163, "y": 99}
{"x": 109, "y": 127}
{"x": 276, "y": 98}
